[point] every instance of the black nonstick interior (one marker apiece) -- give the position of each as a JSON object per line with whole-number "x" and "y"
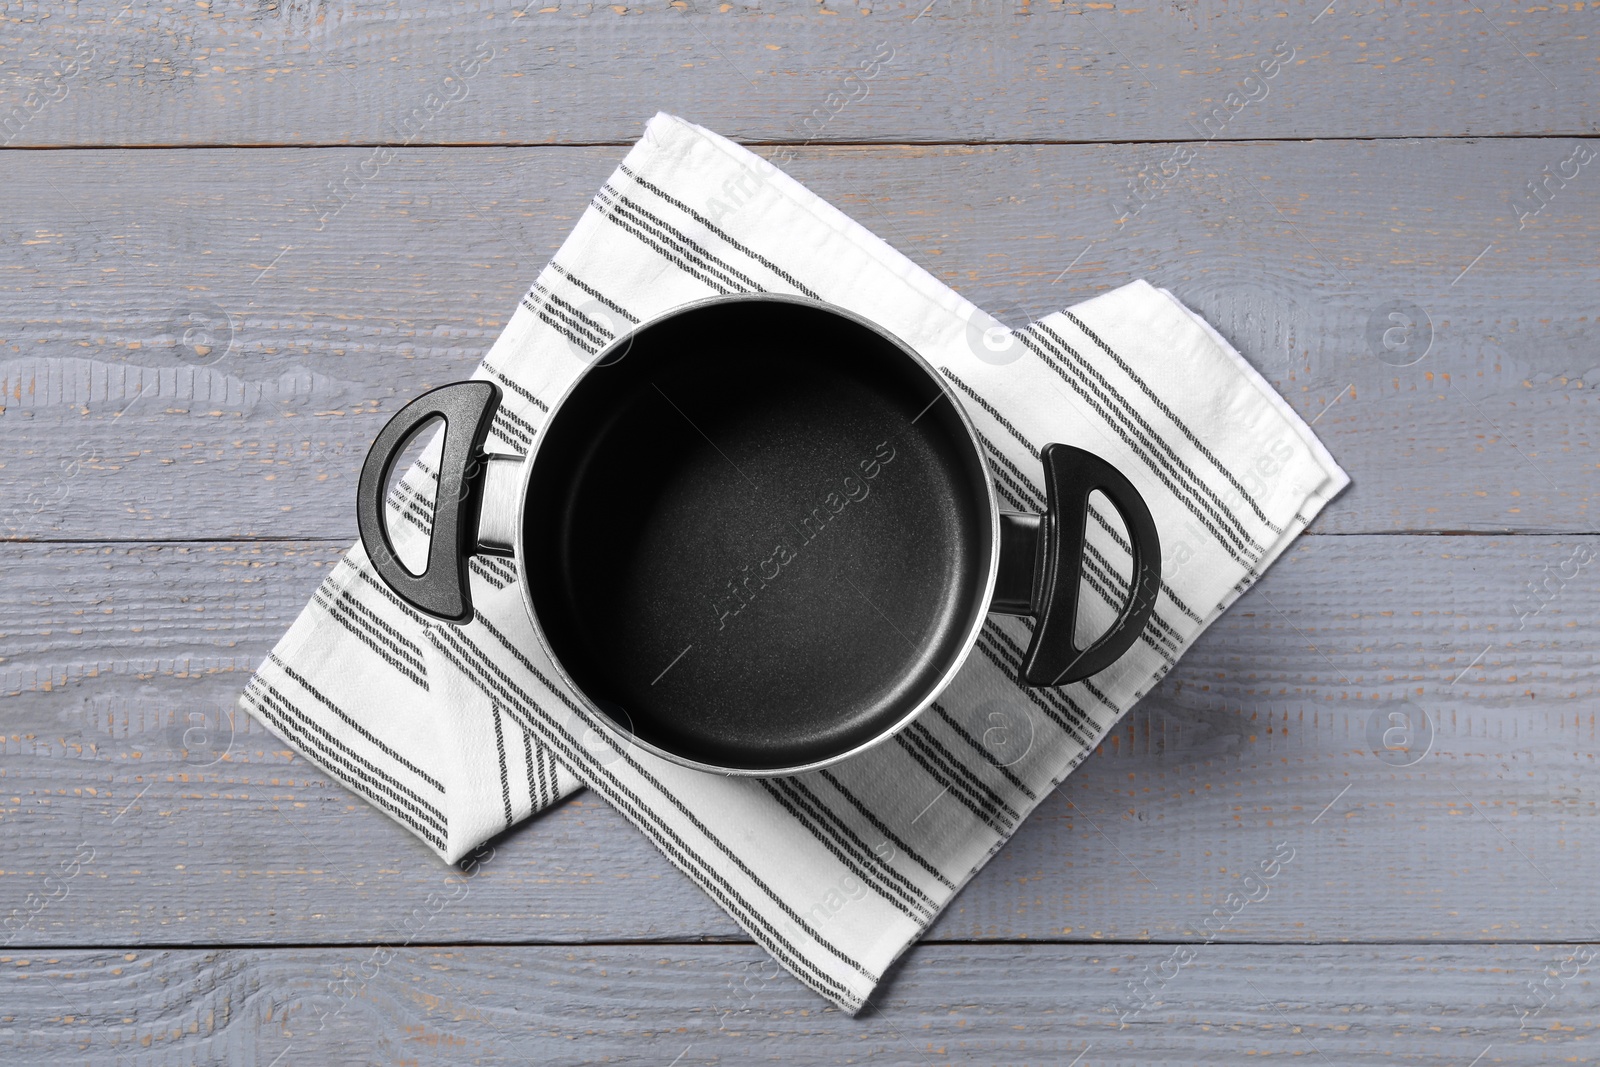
{"x": 754, "y": 535}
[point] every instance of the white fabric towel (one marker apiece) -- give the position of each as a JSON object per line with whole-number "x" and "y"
{"x": 458, "y": 732}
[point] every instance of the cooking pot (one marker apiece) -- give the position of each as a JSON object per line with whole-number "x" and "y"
{"x": 758, "y": 535}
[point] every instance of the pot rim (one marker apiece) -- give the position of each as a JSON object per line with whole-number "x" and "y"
{"x": 621, "y": 739}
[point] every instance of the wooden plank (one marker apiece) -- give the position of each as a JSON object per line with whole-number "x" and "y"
{"x": 685, "y": 1004}
{"x": 312, "y": 72}
{"x": 1268, "y": 731}
{"x": 117, "y": 268}
{"x": 123, "y": 666}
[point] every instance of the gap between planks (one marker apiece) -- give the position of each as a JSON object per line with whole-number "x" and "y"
{"x": 814, "y": 144}
{"x": 715, "y": 940}
{"x": 351, "y": 538}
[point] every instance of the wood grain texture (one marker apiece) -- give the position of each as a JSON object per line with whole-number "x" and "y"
{"x": 316, "y": 72}
{"x": 681, "y": 1005}
{"x": 119, "y": 267}
{"x": 1266, "y": 732}
{"x": 197, "y": 344}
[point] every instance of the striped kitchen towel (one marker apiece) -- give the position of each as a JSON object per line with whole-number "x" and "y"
{"x": 457, "y": 732}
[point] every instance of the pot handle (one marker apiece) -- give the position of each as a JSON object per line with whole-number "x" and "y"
{"x": 1041, "y": 568}
{"x": 467, "y": 409}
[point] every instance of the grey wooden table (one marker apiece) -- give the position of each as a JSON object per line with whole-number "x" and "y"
{"x": 213, "y": 292}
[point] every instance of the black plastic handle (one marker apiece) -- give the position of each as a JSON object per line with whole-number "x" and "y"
{"x": 1041, "y": 568}
{"x": 441, "y": 589}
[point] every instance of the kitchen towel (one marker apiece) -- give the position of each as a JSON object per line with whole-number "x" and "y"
{"x": 457, "y": 732}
